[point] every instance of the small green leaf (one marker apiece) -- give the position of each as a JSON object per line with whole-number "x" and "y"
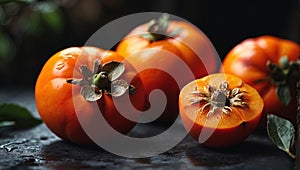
{"x": 157, "y": 29}
{"x": 284, "y": 62}
{"x": 113, "y": 69}
{"x": 175, "y": 32}
{"x": 85, "y": 71}
{"x": 281, "y": 132}
{"x": 17, "y": 116}
{"x": 148, "y": 36}
{"x": 118, "y": 87}
{"x": 283, "y": 93}
{"x": 97, "y": 67}
{"x": 163, "y": 23}
{"x": 90, "y": 93}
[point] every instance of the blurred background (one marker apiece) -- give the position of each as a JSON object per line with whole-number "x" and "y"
{"x": 31, "y": 31}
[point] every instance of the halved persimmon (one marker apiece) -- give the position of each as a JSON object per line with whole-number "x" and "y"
{"x": 220, "y": 110}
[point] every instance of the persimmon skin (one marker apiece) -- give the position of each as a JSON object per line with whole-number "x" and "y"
{"x": 248, "y": 60}
{"x": 186, "y": 45}
{"x": 56, "y": 99}
{"x": 223, "y": 130}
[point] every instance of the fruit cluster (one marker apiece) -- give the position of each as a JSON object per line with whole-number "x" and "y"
{"x": 257, "y": 77}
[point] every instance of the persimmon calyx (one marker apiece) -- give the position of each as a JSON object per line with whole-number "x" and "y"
{"x": 284, "y": 76}
{"x": 220, "y": 98}
{"x": 103, "y": 79}
{"x": 158, "y": 29}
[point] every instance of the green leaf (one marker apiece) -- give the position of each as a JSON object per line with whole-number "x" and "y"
{"x": 283, "y": 93}
{"x": 281, "y": 132}
{"x": 18, "y": 1}
{"x": 113, "y": 69}
{"x": 7, "y": 48}
{"x": 89, "y": 93}
{"x": 175, "y": 32}
{"x": 118, "y": 87}
{"x": 54, "y": 20}
{"x": 16, "y": 116}
{"x": 163, "y": 23}
{"x": 148, "y": 36}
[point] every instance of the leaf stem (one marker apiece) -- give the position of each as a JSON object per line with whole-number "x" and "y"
{"x": 290, "y": 154}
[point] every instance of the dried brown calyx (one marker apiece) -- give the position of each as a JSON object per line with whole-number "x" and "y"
{"x": 103, "y": 79}
{"x": 219, "y": 98}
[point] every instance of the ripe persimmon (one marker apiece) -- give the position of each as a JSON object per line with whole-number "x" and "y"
{"x": 220, "y": 110}
{"x": 67, "y": 89}
{"x": 154, "y": 44}
{"x": 271, "y": 65}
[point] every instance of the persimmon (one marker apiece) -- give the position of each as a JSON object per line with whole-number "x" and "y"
{"x": 220, "y": 110}
{"x": 154, "y": 44}
{"x": 80, "y": 81}
{"x": 271, "y": 65}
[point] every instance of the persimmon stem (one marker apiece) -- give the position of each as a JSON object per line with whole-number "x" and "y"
{"x": 158, "y": 29}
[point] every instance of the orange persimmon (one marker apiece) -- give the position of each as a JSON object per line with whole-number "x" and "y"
{"x": 220, "y": 110}
{"x": 66, "y": 88}
{"x": 271, "y": 65}
{"x": 161, "y": 47}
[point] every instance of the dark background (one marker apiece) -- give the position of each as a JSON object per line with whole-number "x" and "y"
{"x": 31, "y": 31}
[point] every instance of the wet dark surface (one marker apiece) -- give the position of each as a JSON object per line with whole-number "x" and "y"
{"x": 39, "y": 148}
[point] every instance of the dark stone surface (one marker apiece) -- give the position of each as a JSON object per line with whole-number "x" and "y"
{"x": 39, "y": 148}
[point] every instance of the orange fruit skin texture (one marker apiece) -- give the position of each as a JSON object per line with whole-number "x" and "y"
{"x": 56, "y": 99}
{"x": 248, "y": 61}
{"x": 143, "y": 53}
{"x": 219, "y": 129}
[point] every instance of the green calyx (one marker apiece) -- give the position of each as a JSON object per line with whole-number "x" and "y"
{"x": 157, "y": 29}
{"x": 284, "y": 76}
{"x": 103, "y": 79}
